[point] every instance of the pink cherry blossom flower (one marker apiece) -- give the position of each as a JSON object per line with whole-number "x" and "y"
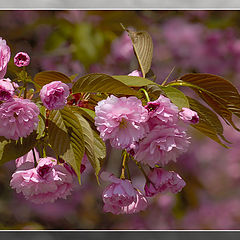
{"x": 163, "y": 110}
{"x": 136, "y": 206}
{"x": 119, "y": 193}
{"x": 189, "y": 116}
{"x": 135, "y": 73}
{"x": 121, "y": 120}
{"x": 18, "y": 118}
{"x": 54, "y": 95}
{"x": 45, "y": 183}
{"x": 162, "y": 144}
{"x": 21, "y": 59}
{"x": 6, "y": 89}
{"x": 120, "y": 197}
{"x": 4, "y": 57}
{"x": 27, "y": 158}
{"x": 161, "y": 180}
{"x": 139, "y": 204}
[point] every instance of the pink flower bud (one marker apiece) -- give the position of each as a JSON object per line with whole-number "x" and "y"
{"x": 189, "y": 116}
{"x": 21, "y": 59}
{"x": 54, "y": 95}
{"x": 161, "y": 181}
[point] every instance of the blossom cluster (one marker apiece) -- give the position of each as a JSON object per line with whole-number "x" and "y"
{"x": 153, "y": 135}
{"x": 40, "y": 180}
{"x": 46, "y": 182}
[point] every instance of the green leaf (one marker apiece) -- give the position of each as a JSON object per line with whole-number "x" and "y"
{"x": 217, "y": 92}
{"x": 209, "y": 123}
{"x": 154, "y": 91}
{"x": 90, "y": 142}
{"x": 101, "y": 83}
{"x": 176, "y": 96}
{"x": 42, "y": 120}
{"x": 11, "y": 149}
{"x": 99, "y": 148}
{"x": 87, "y": 113}
{"x": 133, "y": 81}
{"x": 143, "y": 47}
{"x": 66, "y": 137}
{"x": 46, "y": 77}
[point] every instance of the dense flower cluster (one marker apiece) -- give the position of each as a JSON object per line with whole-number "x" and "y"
{"x": 19, "y": 117}
{"x": 44, "y": 183}
{"x": 153, "y": 135}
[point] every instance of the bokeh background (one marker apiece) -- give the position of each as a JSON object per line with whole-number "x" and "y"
{"x": 80, "y": 42}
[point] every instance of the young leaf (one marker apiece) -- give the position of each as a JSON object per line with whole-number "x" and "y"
{"x": 101, "y": 83}
{"x": 46, "y": 77}
{"x": 209, "y": 123}
{"x": 143, "y": 48}
{"x": 66, "y": 137}
{"x": 11, "y": 150}
{"x": 217, "y": 92}
{"x": 133, "y": 81}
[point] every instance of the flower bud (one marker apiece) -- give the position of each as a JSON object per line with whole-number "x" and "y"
{"x": 21, "y": 59}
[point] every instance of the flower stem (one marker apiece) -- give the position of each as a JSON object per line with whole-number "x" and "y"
{"x": 25, "y": 90}
{"x": 34, "y": 156}
{"x": 145, "y": 93}
{"x": 44, "y": 152}
{"x": 123, "y": 165}
{"x": 20, "y": 93}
